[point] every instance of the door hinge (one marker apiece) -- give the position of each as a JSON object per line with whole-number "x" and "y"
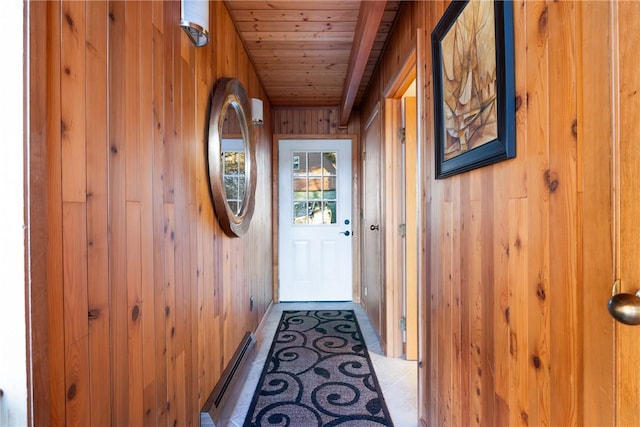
{"x": 402, "y": 230}
{"x": 403, "y": 329}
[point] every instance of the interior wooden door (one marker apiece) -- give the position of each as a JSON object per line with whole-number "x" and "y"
{"x": 627, "y": 352}
{"x": 372, "y": 292}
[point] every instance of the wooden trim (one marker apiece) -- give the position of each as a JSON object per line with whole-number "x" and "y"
{"x": 392, "y": 158}
{"x": 403, "y": 77}
{"x": 391, "y": 214}
{"x": 275, "y": 218}
{"x": 411, "y": 221}
{"x": 422, "y": 171}
{"x": 36, "y": 206}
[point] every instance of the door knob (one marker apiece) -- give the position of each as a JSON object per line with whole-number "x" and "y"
{"x": 346, "y": 233}
{"x": 374, "y": 227}
{"x": 625, "y": 308}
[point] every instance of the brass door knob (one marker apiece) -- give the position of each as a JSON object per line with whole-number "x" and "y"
{"x": 625, "y": 308}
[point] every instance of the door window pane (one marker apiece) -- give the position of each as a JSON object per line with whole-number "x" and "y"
{"x": 314, "y": 187}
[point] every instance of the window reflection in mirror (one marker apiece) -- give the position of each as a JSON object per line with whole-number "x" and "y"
{"x": 233, "y": 161}
{"x": 233, "y": 173}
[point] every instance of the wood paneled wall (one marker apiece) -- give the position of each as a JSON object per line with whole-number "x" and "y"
{"x": 138, "y": 298}
{"x": 516, "y": 258}
{"x": 312, "y": 121}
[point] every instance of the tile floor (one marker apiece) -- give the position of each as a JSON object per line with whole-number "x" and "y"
{"x": 397, "y": 377}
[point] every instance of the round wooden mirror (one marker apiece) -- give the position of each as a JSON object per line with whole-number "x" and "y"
{"x": 231, "y": 155}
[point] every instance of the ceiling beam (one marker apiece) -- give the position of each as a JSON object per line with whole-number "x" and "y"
{"x": 369, "y": 19}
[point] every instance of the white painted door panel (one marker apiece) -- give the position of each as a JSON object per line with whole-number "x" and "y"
{"x": 315, "y": 248}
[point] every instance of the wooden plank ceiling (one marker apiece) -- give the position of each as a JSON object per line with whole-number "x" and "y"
{"x": 302, "y": 49}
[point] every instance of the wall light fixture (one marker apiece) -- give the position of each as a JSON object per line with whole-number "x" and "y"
{"x": 194, "y": 20}
{"x": 256, "y": 112}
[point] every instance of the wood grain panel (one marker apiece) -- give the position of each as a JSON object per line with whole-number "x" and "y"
{"x": 466, "y": 328}
{"x": 518, "y": 181}
{"x": 97, "y": 221}
{"x": 595, "y": 136}
{"x": 156, "y": 403}
{"x": 310, "y": 121}
{"x": 72, "y": 114}
{"x": 510, "y": 245}
{"x": 265, "y": 27}
{"x": 281, "y": 36}
{"x": 39, "y": 187}
{"x": 134, "y": 255}
{"x": 537, "y": 152}
{"x": 266, "y": 15}
{"x": 132, "y": 103}
{"x": 169, "y": 91}
{"x": 477, "y": 332}
{"x": 146, "y": 135}
{"x": 487, "y": 277}
{"x": 170, "y": 309}
{"x": 627, "y": 161}
{"x": 501, "y": 310}
{"x": 134, "y": 299}
{"x": 76, "y": 324}
{"x": 309, "y": 55}
{"x": 117, "y": 213}
{"x": 53, "y": 218}
{"x": 74, "y": 221}
{"x": 285, "y": 5}
{"x": 518, "y": 399}
{"x": 563, "y": 240}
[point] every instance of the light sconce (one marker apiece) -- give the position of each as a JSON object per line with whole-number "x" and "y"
{"x": 256, "y": 112}
{"x": 194, "y": 20}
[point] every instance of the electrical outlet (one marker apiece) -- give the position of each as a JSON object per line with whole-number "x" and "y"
{"x": 365, "y": 291}
{"x": 251, "y": 303}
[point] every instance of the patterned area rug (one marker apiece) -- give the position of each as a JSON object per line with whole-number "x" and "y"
{"x": 318, "y": 373}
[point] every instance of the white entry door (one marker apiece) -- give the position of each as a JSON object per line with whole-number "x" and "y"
{"x": 315, "y": 221}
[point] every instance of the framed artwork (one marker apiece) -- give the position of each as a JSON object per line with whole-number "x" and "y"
{"x": 473, "y": 62}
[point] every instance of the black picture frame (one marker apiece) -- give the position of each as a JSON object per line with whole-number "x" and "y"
{"x": 492, "y": 149}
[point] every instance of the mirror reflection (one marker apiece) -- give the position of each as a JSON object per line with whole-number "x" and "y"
{"x": 231, "y": 152}
{"x": 233, "y": 160}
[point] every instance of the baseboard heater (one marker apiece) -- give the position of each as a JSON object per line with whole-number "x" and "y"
{"x": 216, "y": 412}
